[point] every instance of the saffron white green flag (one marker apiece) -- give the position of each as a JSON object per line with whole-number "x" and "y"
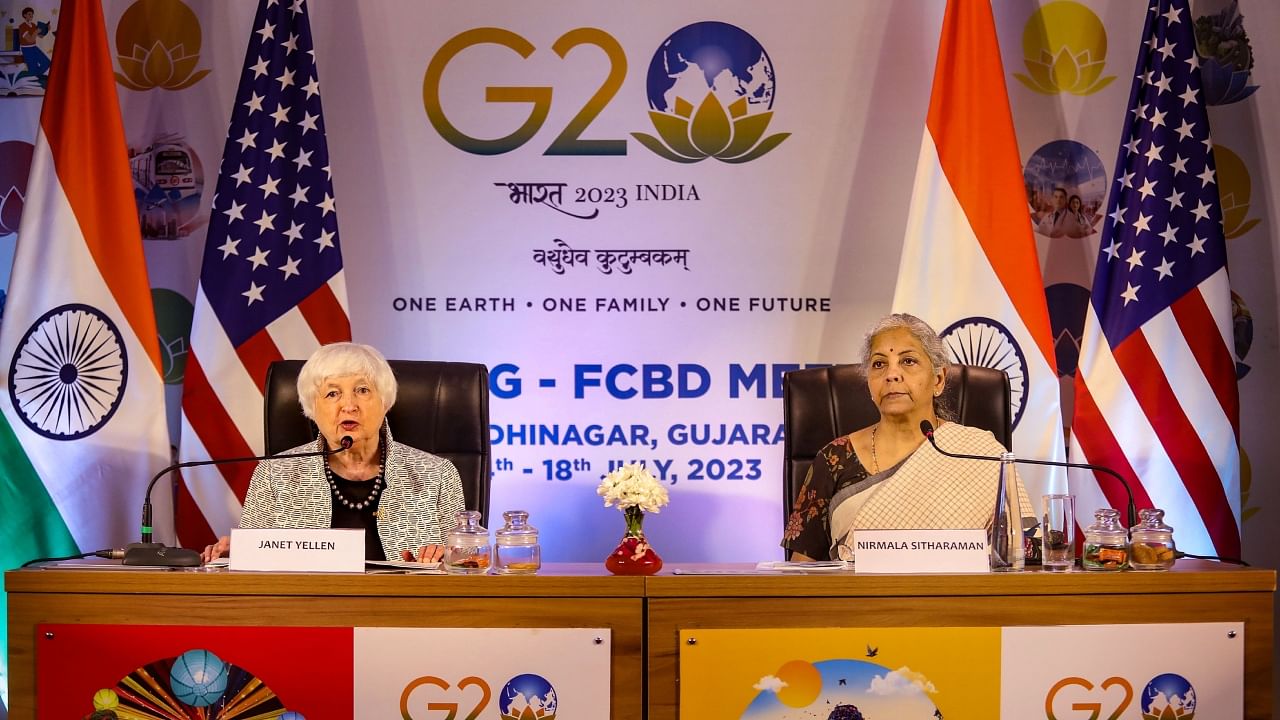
{"x": 969, "y": 265}
{"x": 82, "y": 422}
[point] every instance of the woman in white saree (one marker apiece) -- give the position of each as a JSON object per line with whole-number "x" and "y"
{"x": 886, "y": 475}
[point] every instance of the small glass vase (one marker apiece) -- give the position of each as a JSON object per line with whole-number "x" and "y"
{"x": 634, "y": 555}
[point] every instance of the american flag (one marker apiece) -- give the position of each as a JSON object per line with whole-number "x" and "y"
{"x": 271, "y": 285}
{"x": 1155, "y": 394}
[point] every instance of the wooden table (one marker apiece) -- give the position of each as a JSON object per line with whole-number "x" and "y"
{"x": 563, "y": 595}
{"x": 645, "y": 614}
{"x": 1194, "y": 591}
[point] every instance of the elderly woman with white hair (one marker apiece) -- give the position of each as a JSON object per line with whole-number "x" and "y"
{"x": 886, "y": 476}
{"x": 404, "y": 499}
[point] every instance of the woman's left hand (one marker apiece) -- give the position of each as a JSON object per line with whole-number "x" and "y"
{"x": 426, "y": 554}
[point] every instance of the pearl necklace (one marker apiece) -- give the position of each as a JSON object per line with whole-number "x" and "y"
{"x": 378, "y": 483}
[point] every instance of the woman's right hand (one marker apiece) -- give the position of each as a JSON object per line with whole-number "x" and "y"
{"x": 222, "y": 548}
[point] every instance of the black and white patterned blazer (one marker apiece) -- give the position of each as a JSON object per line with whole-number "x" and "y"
{"x": 422, "y": 497}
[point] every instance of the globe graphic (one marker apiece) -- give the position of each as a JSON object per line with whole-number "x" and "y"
{"x": 198, "y": 678}
{"x": 528, "y": 696}
{"x": 710, "y": 57}
{"x": 1168, "y": 695}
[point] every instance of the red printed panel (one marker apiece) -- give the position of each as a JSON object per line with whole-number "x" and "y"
{"x": 193, "y": 672}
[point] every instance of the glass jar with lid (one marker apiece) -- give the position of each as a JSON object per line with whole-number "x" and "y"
{"x": 1106, "y": 542}
{"x": 466, "y": 550}
{"x": 516, "y": 550}
{"x": 1151, "y": 546}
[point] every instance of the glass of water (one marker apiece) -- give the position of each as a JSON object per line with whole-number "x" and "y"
{"x": 1059, "y": 532}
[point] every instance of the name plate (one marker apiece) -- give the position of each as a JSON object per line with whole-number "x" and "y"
{"x": 921, "y": 551}
{"x": 281, "y": 550}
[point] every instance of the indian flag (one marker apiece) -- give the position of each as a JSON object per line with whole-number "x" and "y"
{"x": 82, "y": 420}
{"x": 969, "y": 266}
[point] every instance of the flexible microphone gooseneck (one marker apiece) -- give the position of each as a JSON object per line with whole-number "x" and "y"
{"x": 926, "y": 428}
{"x": 153, "y": 554}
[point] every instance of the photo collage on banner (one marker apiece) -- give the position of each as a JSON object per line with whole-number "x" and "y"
{"x": 28, "y": 29}
{"x": 1069, "y": 60}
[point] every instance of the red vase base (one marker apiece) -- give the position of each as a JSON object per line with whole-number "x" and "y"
{"x": 633, "y": 556}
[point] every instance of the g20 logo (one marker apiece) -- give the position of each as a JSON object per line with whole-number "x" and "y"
{"x": 522, "y": 697}
{"x": 1166, "y": 696}
{"x": 710, "y": 88}
{"x": 1094, "y": 706}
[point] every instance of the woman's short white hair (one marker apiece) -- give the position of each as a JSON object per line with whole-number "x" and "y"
{"x": 344, "y": 358}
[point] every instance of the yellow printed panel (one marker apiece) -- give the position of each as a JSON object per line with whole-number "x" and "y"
{"x": 840, "y": 673}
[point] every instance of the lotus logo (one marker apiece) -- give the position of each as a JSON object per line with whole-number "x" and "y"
{"x": 1226, "y": 56}
{"x": 1235, "y": 188}
{"x": 1064, "y": 48}
{"x": 173, "y": 324}
{"x": 1242, "y": 339}
{"x": 728, "y": 73}
{"x": 1246, "y": 485}
{"x": 158, "y": 46}
{"x": 15, "y": 165}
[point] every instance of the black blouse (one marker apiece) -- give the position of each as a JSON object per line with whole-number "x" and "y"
{"x": 808, "y": 529}
{"x": 357, "y": 491}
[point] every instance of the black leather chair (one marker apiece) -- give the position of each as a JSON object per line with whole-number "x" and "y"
{"x": 441, "y": 407}
{"x": 821, "y": 404}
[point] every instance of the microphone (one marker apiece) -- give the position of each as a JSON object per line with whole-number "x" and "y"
{"x": 152, "y": 554}
{"x": 926, "y": 428}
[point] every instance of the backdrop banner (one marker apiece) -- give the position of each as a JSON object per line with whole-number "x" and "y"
{"x": 637, "y": 220}
{"x": 639, "y": 217}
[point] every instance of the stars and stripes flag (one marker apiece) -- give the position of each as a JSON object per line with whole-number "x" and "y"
{"x": 969, "y": 265}
{"x": 82, "y": 424}
{"x": 271, "y": 285}
{"x": 1155, "y": 393}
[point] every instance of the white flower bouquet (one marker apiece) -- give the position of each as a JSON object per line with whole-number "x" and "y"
{"x": 635, "y": 491}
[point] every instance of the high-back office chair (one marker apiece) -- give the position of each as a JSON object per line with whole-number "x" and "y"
{"x": 822, "y": 404}
{"x": 441, "y": 407}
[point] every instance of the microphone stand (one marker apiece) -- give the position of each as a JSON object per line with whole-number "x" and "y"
{"x": 153, "y": 554}
{"x": 926, "y": 428}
